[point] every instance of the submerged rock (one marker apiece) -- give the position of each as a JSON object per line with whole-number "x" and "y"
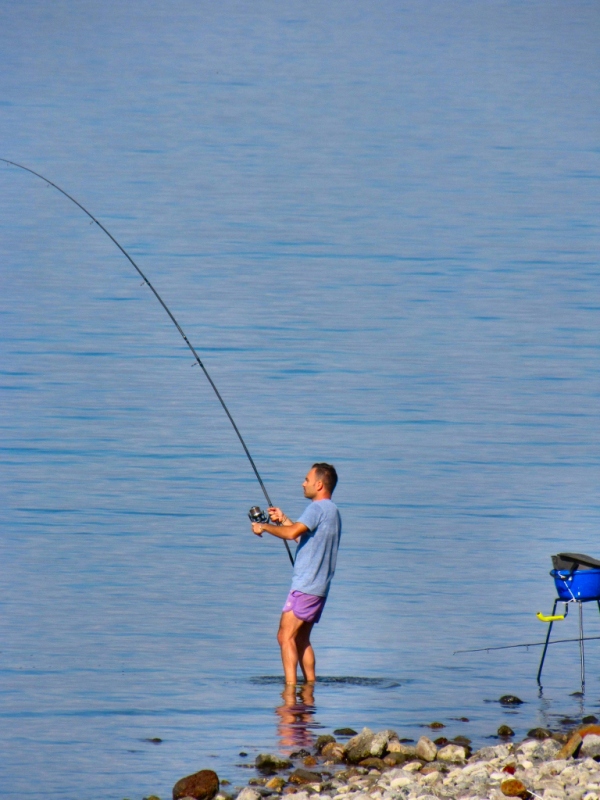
{"x": 345, "y": 732}
{"x": 505, "y": 730}
{"x": 202, "y": 785}
{"x": 510, "y": 700}
{"x": 267, "y": 761}
{"x": 539, "y": 733}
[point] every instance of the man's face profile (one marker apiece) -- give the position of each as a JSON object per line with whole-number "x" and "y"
{"x": 311, "y": 484}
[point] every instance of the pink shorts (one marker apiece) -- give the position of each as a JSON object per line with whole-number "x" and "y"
{"x": 307, "y": 607}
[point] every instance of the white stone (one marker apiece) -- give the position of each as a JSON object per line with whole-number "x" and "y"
{"x": 553, "y": 767}
{"x": 528, "y": 746}
{"x": 570, "y": 775}
{"x": 401, "y": 781}
{"x": 430, "y": 779}
{"x": 549, "y": 783}
{"x": 248, "y": 794}
{"x": 452, "y": 753}
{"x": 412, "y": 766}
{"x": 552, "y": 792}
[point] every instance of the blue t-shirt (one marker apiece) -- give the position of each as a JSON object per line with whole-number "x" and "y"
{"x": 316, "y": 553}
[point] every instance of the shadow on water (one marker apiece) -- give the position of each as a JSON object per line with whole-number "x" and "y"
{"x": 332, "y": 680}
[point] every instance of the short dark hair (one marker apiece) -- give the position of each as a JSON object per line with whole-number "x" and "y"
{"x": 327, "y": 474}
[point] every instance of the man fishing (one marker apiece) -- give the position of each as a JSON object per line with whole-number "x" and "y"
{"x": 317, "y": 533}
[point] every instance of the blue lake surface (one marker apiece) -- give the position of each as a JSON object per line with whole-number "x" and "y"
{"x": 378, "y": 223}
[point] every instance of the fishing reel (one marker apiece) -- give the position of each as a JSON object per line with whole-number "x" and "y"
{"x": 256, "y": 514}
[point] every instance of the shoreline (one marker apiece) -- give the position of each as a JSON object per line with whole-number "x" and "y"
{"x": 552, "y": 765}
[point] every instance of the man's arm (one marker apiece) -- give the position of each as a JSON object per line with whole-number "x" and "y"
{"x": 289, "y": 531}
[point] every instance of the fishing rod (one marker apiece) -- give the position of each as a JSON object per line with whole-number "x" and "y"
{"x": 527, "y": 644}
{"x": 173, "y": 320}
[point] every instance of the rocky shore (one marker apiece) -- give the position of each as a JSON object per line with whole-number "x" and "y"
{"x": 383, "y": 766}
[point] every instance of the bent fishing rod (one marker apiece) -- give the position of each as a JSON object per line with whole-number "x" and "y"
{"x": 173, "y": 320}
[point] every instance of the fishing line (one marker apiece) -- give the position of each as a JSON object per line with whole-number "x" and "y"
{"x": 173, "y": 320}
{"x": 527, "y": 644}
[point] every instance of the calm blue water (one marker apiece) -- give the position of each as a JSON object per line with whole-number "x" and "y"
{"x": 378, "y": 224}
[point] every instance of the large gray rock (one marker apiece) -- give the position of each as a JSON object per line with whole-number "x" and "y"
{"x": 546, "y": 750}
{"x": 201, "y": 785}
{"x": 380, "y": 741}
{"x": 497, "y": 751}
{"x": 590, "y": 746}
{"x": 359, "y": 747}
{"x": 426, "y": 749}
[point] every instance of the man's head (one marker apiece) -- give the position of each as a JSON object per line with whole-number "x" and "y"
{"x": 320, "y": 482}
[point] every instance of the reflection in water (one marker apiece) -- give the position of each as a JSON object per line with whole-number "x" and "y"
{"x": 296, "y": 717}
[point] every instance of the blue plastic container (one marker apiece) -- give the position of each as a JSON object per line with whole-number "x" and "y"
{"x": 583, "y": 584}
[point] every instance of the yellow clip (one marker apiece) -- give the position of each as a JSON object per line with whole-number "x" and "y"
{"x": 544, "y": 618}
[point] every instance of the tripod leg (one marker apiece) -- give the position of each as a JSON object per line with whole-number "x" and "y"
{"x": 581, "y": 653}
{"x": 539, "y": 675}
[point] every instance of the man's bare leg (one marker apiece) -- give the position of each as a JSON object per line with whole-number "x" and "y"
{"x": 293, "y": 637}
{"x": 306, "y": 654}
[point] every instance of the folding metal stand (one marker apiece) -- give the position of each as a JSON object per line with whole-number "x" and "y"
{"x": 581, "y": 649}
